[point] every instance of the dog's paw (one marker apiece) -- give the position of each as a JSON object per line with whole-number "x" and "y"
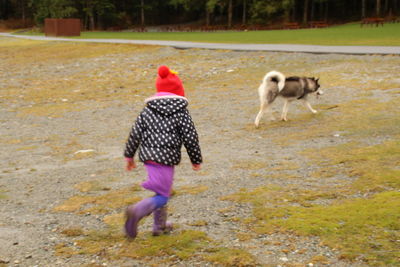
{"x": 284, "y": 119}
{"x": 314, "y": 111}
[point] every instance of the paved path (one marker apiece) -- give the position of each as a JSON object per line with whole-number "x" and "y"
{"x": 317, "y": 49}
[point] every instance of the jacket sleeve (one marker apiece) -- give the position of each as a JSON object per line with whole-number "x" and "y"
{"x": 134, "y": 138}
{"x": 191, "y": 139}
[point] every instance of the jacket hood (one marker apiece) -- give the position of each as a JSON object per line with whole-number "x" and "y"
{"x": 166, "y": 105}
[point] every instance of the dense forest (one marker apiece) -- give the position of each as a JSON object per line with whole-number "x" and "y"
{"x": 125, "y": 14}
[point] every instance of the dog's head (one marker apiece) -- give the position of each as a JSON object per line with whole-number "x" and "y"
{"x": 316, "y": 86}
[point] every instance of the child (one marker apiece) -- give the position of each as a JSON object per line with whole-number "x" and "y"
{"x": 159, "y": 132}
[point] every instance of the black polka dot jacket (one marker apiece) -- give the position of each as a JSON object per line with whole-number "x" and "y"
{"x": 161, "y": 129}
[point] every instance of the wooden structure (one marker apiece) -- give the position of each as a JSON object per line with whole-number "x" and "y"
{"x": 318, "y": 24}
{"x": 372, "y": 21}
{"x": 62, "y": 27}
{"x": 291, "y": 25}
{"x": 392, "y": 19}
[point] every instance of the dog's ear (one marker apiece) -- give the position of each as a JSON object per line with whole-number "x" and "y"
{"x": 317, "y": 80}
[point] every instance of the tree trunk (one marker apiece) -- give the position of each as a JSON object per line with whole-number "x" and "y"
{"x": 326, "y": 10}
{"x": 305, "y": 12}
{"x": 90, "y": 16}
{"x": 363, "y": 15}
{"x": 378, "y": 8}
{"x": 23, "y": 16}
{"x": 230, "y": 11}
{"x": 294, "y": 10}
{"x": 85, "y": 22}
{"x": 91, "y": 21}
{"x": 312, "y": 10}
{"x": 287, "y": 13}
{"x": 142, "y": 22}
{"x": 321, "y": 10}
{"x": 207, "y": 15}
{"x": 386, "y": 8}
{"x": 244, "y": 12}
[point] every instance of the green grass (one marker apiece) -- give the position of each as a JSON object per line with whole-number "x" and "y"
{"x": 348, "y": 34}
{"x": 367, "y": 227}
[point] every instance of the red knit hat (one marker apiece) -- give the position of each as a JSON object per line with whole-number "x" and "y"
{"x": 168, "y": 81}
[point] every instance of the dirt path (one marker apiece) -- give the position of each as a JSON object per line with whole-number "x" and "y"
{"x": 315, "y": 49}
{"x": 58, "y": 100}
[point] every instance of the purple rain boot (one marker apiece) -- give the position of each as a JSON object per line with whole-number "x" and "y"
{"x": 160, "y": 225}
{"x": 134, "y": 213}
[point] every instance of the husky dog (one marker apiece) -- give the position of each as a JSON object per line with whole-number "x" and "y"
{"x": 275, "y": 84}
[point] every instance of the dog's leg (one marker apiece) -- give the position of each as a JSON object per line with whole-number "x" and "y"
{"x": 285, "y": 110}
{"x": 263, "y": 108}
{"x": 308, "y": 105}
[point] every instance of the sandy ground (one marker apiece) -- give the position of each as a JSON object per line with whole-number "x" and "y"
{"x": 54, "y": 106}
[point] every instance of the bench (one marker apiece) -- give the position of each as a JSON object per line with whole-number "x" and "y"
{"x": 291, "y": 25}
{"x": 392, "y": 19}
{"x": 318, "y": 24}
{"x": 372, "y": 21}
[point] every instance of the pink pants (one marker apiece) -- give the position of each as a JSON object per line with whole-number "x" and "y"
{"x": 159, "y": 178}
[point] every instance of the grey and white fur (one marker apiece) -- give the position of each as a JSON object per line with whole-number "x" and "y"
{"x": 275, "y": 84}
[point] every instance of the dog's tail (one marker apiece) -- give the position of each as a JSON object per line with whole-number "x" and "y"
{"x": 275, "y": 76}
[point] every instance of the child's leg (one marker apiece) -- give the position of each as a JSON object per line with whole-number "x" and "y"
{"x": 159, "y": 180}
{"x": 160, "y": 224}
{"x": 135, "y": 213}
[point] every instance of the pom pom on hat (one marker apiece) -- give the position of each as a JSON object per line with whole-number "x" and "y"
{"x": 168, "y": 81}
{"x": 163, "y": 71}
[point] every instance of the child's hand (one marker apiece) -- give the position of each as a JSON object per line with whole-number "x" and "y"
{"x": 196, "y": 167}
{"x": 130, "y": 164}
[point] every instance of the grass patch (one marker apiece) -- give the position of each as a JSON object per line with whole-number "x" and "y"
{"x": 183, "y": 245}
{"x": 193, "y": 190}
{"x": 348, "y": 34}
{"x": 100, "y": 204}
{"x": 72, "y": 232}
{"x": 2, "y": 195}
{"x": 113, "y": 245}
{"x": 89, "y": 186}
{"x": 28, "y": 51}
{"x": 166, "y": 249}
{"x": 231, "y": 257}
{"x": 366, "y": 228}
{"x": 374, "y": 167}
{"x": 357, "y": 119}
{"x": 198, "y": 223}
{"x": 249, "y": 165}
{"x": 71, "y": 74}
{"x": 360, "y": 228}
{"x": 54, "y": 110}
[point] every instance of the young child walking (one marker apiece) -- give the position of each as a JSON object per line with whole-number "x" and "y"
{"x": 159, "y": 132}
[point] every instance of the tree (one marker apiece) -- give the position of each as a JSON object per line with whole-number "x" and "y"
{"x": 106, "y": 13}
{"x": 363, "y": 13}
{"x": 230, "y": 13}
{"x": 52, "y": 9}
{"x": 244, "y": 12}
{"x": 142, "y": 20}
{"x": 305, "y": 11}
{"x": 210, "y": 7}
{"x": 378, "y": 8}
{"x": 95, "y": 10}
{"x": 288, "y": 6}
{"x": 261, "y": 11}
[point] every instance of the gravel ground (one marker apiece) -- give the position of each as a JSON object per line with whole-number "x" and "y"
{"x": 39, "y": 170}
